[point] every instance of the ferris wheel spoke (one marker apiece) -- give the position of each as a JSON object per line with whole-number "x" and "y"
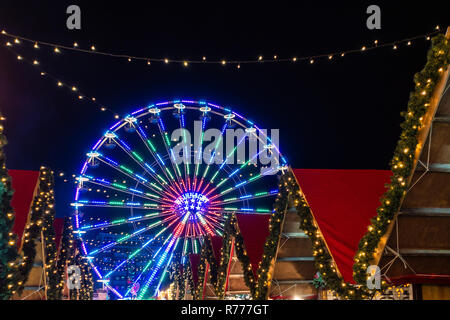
{"x": 251, "y": 180}
{"x": 124, "y": 189}
{"x": 235, "y": 171}
{"x": 135, "y": 253}
{"x": 171, "y": 155}
{"x": 231, "y": 154}
{"x": 147, "y": 266}
{"x": 119, "y": 222}
{"x": 152, "y": 150}
{"x": 132, "y": 235}
{"x": 140, "y": 161}
{"x": 187, "y": 155}
{"x": 200, "y": 148}
{"x": 211, "y": 159}
{"x": 171, "y": 246}
{"x": 134, "y": 176}
{"x": 247, "y": 197}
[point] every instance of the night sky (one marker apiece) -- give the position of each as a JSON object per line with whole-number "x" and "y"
{"x": 343, "y": 114}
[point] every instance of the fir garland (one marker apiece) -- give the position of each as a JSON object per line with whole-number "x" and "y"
{"x": 190, "y": 279}
{"x": 242, "y": 256}
{"x": 87, "y": 282}
{"x": 67, "y": 251}
{"x": 41, "y": 216}
{"x": 271, "y": 245}
{"x": 402, "y": 163}
{"x": 222, "y": 269}
{"x": 8, "y": 250}
{"x": 179, "y": 277}
{"x": 54, "y": 289}
{"x": 201, "y": 270}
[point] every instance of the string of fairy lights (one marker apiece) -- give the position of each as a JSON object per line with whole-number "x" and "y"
{"x": 14, "y": 40}
{"x": 71, "y": 88}
{"x": 58, "y": 48}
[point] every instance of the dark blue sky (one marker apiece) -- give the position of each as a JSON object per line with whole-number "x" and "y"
{"x": 341, "y": 114}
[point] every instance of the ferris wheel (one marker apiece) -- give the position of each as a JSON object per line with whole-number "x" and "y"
{"x": 161, "y": 180}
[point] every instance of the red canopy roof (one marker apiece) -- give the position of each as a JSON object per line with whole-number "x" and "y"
{"x": 342, "y": 203}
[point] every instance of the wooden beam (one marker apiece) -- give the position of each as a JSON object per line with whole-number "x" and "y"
{"x": 281, "y": 282}
{"x": 444, "y": 119}
{"x": 422, "y": 252}
{"x": 295, "y": 259}
{"x": 299, "y": 235}
{"x": 439, "y": 167}
{"x": 426, "y": 212}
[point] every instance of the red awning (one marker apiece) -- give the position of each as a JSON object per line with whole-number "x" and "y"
{"x": 24, "y": 183}
{"x": 342, "y": 203}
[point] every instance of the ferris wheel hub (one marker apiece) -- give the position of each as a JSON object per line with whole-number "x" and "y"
{"x": 191, "y": 203}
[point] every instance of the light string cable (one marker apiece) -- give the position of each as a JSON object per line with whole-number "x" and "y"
{"x": 62, "y": 84}
{"x": 259, "y": 59}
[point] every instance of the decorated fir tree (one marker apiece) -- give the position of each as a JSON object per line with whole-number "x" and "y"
{"x": 8, "y": 250}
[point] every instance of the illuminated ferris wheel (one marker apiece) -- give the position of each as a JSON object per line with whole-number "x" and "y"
{"x": 161, "y": 180}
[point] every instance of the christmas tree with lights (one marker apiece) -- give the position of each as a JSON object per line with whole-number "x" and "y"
{"x": 8, "y": 250}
